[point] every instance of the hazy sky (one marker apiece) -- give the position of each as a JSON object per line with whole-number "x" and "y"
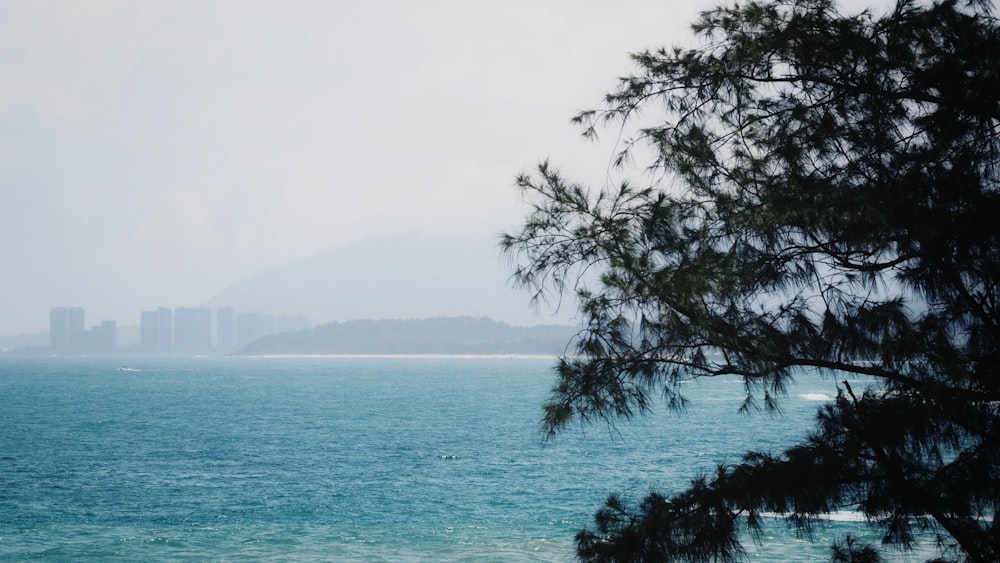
{"x": 155, "y": 152}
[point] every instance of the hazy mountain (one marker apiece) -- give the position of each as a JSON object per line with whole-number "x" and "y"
{"x": 34, "y": 339}
{"x": 451, "y": 335}
{"x": 403, "y": 277}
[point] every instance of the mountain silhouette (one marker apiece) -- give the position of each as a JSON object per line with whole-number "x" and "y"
{"x": 398, "y": 277}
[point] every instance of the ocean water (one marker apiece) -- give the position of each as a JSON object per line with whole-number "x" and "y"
{"x": 343, "y": 459}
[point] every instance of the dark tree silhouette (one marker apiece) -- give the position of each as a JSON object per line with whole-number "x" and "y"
{"x": 822, "y": 193}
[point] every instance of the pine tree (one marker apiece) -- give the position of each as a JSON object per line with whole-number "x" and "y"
{"x": 821, "y": 194}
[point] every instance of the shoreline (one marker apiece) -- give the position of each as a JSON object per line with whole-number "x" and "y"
{"x": 405, "y": 356}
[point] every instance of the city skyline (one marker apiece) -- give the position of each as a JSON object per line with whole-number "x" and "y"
{"x": 184, "y": 330}
{"x": 159, "y": 152}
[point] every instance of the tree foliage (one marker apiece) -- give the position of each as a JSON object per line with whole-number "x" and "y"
{"x": 821, "y": 192}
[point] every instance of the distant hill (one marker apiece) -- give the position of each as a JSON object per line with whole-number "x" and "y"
{"x": 35, "y": 339}
{"x": 127, "y": 336}
{"x": 456, "y": 335}
{"x": 402, "y": 277}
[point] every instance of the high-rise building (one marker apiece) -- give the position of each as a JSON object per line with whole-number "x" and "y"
{"x": 166, "y": 321}
{"x": 66, "y": 330}
{"x": 149, "y": 331}
{"x": 104, "y": 337}
{"x": 225, "y": 322}
{"x": 251, "y": 326}
{"x": 193, "y": 329}
{"x": 156, "y": 330}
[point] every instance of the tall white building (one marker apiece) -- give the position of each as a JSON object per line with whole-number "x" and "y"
{"x": 251, "y": 326}
{"x": 193, "y": 330}
{"x": 66, "y": 330}
{"x": 149, "y": 331}
{"x": 166, "y": 320}
{"x": 156, "y": 330}
{"x": 225, "y": 323}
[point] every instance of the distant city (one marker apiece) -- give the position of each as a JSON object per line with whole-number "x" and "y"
{"x": 184, "y": 330}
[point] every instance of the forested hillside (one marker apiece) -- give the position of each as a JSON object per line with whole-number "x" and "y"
{"x": 452, "y": 335}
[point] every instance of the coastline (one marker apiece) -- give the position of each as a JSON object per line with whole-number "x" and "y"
{"x": 406, "y": 356}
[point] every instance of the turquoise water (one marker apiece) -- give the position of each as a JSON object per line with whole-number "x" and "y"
{"x": 344, "y": 459}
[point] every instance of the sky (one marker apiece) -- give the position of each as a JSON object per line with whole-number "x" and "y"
{"x": 153, "y": 153}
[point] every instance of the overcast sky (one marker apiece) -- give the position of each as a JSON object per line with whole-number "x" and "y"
{"x": 155, "y": 152}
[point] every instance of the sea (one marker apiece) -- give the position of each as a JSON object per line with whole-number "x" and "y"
{"x": 349, "y": 459}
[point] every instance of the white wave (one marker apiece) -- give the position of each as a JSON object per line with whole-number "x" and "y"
{"x": 816, "y": 397}
{"x": 836, "y": 516}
